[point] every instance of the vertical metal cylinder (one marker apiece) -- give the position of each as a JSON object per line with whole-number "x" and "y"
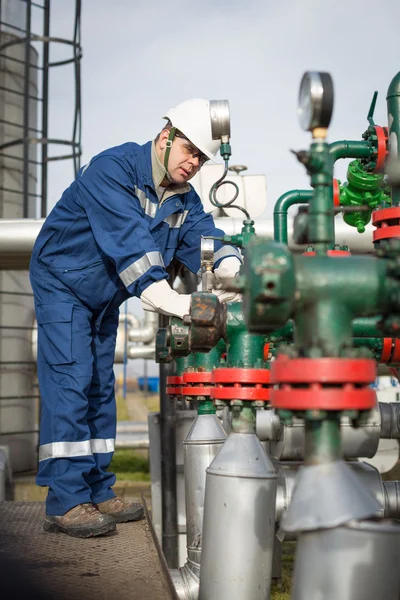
{"x": 357, "y": 561}
{"x": 200, "y": 447}
{"x": 239, "y": 518}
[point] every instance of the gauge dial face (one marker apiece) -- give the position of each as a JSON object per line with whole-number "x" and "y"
{"x": 315, "y": 100}
{"x": 220, "y": 119}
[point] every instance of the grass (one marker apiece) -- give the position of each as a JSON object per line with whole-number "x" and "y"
{"x": 152, "y": 402}
{"x": 122, "y": 409}
{"x": 282, "y": 592}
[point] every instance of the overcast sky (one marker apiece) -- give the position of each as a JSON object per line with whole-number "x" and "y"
{"x": 141, "y": 58}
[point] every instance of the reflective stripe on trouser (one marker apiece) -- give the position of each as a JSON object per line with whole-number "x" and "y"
{"x": 75, "y": 371}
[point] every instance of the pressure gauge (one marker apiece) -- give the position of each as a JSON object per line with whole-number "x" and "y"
{"x": 315, "y": 100}
{"x": 220, "y": 119}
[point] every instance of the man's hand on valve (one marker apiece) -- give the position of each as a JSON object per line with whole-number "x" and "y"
{"x": 227, "y": 270}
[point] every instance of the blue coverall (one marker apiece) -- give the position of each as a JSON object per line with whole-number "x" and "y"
{"x": 107, "y": 238}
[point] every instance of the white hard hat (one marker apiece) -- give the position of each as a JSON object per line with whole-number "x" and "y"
{"x": 192, "y": 118}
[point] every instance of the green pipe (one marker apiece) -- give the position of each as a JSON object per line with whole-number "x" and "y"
{"x": 243, "y": 418}
{"x": 281, "y": 208}
{"x": 367, "y": 327}
{"x": 322, "y": 439}
{"x": 373, "y": 344}
{"x": 393, "y": 108}
{"x": 183, "y": 363}
{"x": 321, "y": 227}
{"x": 207, "y": 361}
{"x": 244, "y": 349}
{"x": 350, "y": 149}
{"x": 206, "y": 407}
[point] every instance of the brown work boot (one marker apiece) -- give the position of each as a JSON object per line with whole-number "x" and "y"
{"x": 121, "y": 510}
{"x": 82, "y": 521}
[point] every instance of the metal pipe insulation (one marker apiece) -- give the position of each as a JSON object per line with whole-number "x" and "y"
{"x": 17, "y": 237}
{"x": 392, "y": 499}
{"x": 387, "y": 493}
{"x": 390, "y": 420}
{"x": 238, "y": 531}
{"x": 200, "y": 447}
{"x": 287, "y": 441}
{"x": 355, "y": 561}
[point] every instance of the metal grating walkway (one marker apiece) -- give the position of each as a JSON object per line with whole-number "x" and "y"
{"x": 119, "y": 566}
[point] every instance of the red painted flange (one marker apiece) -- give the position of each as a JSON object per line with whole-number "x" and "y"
{"x": 237, "y": 392}
{"x": 323, "y": 383}
{"x": 395, "y": 358}
{"x": 386, "y": 350}
{"x": 174, "y": 390}
{"x": 319, "y": 398}
{"x": 197, "y": 377}
{"x": 196, "y": 390}
{"x": 336, "y": 193}
{"x": 382, "y": 139}
{"x": 174, "y": 385}
{"x": 338, "y": 253}
{"x": 234, "y": 375}
{"x": 174, "y": 380}
{"x": 329, "y": 253}
{"x": 323, "y": 370}
{"x": 387, "y": 222}
{"x": 241, "y": 384}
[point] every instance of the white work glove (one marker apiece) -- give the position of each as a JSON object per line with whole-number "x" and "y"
{"x": 160, "y": 297}
{"x": 227, "y": 269}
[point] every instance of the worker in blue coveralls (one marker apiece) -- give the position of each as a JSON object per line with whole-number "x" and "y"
{"x": 111, "y": 236}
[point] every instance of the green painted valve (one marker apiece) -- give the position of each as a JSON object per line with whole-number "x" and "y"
{"x": 270, "y": 285}
{"x": 362, "y": 188}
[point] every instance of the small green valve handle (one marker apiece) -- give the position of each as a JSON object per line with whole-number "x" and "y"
{"x": 362, "y": 188}
{"x": 241, "y": 240}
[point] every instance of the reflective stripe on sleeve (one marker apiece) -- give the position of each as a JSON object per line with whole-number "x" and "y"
{"x": 140, "y": 267}
{"x": 227, "y": 251}
{"x": 74, "y": 449}
{"x": 149, "y": 207}
{"x": 177, "y": 219}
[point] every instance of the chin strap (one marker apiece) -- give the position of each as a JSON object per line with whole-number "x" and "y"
{"x": 171, "y": 138}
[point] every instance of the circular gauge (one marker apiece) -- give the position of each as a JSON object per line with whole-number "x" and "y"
{"x": 220, "y": 119}
{"x": 315, "y": 100}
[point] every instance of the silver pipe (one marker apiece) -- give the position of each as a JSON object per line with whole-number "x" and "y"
{"x": 390, "y": 420}
{"x": 141, "y": 352}
{"x": 287, "y": 441}
{"x": 144, "y": 332}
{"x": 392, "y": 499}
{"x": 239, "y": 522}
{"x": 200, "y": 447}
{"x": 132, "y": 320}
{"x": 17, "y": 237}
{"x": 356, "y": 561}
